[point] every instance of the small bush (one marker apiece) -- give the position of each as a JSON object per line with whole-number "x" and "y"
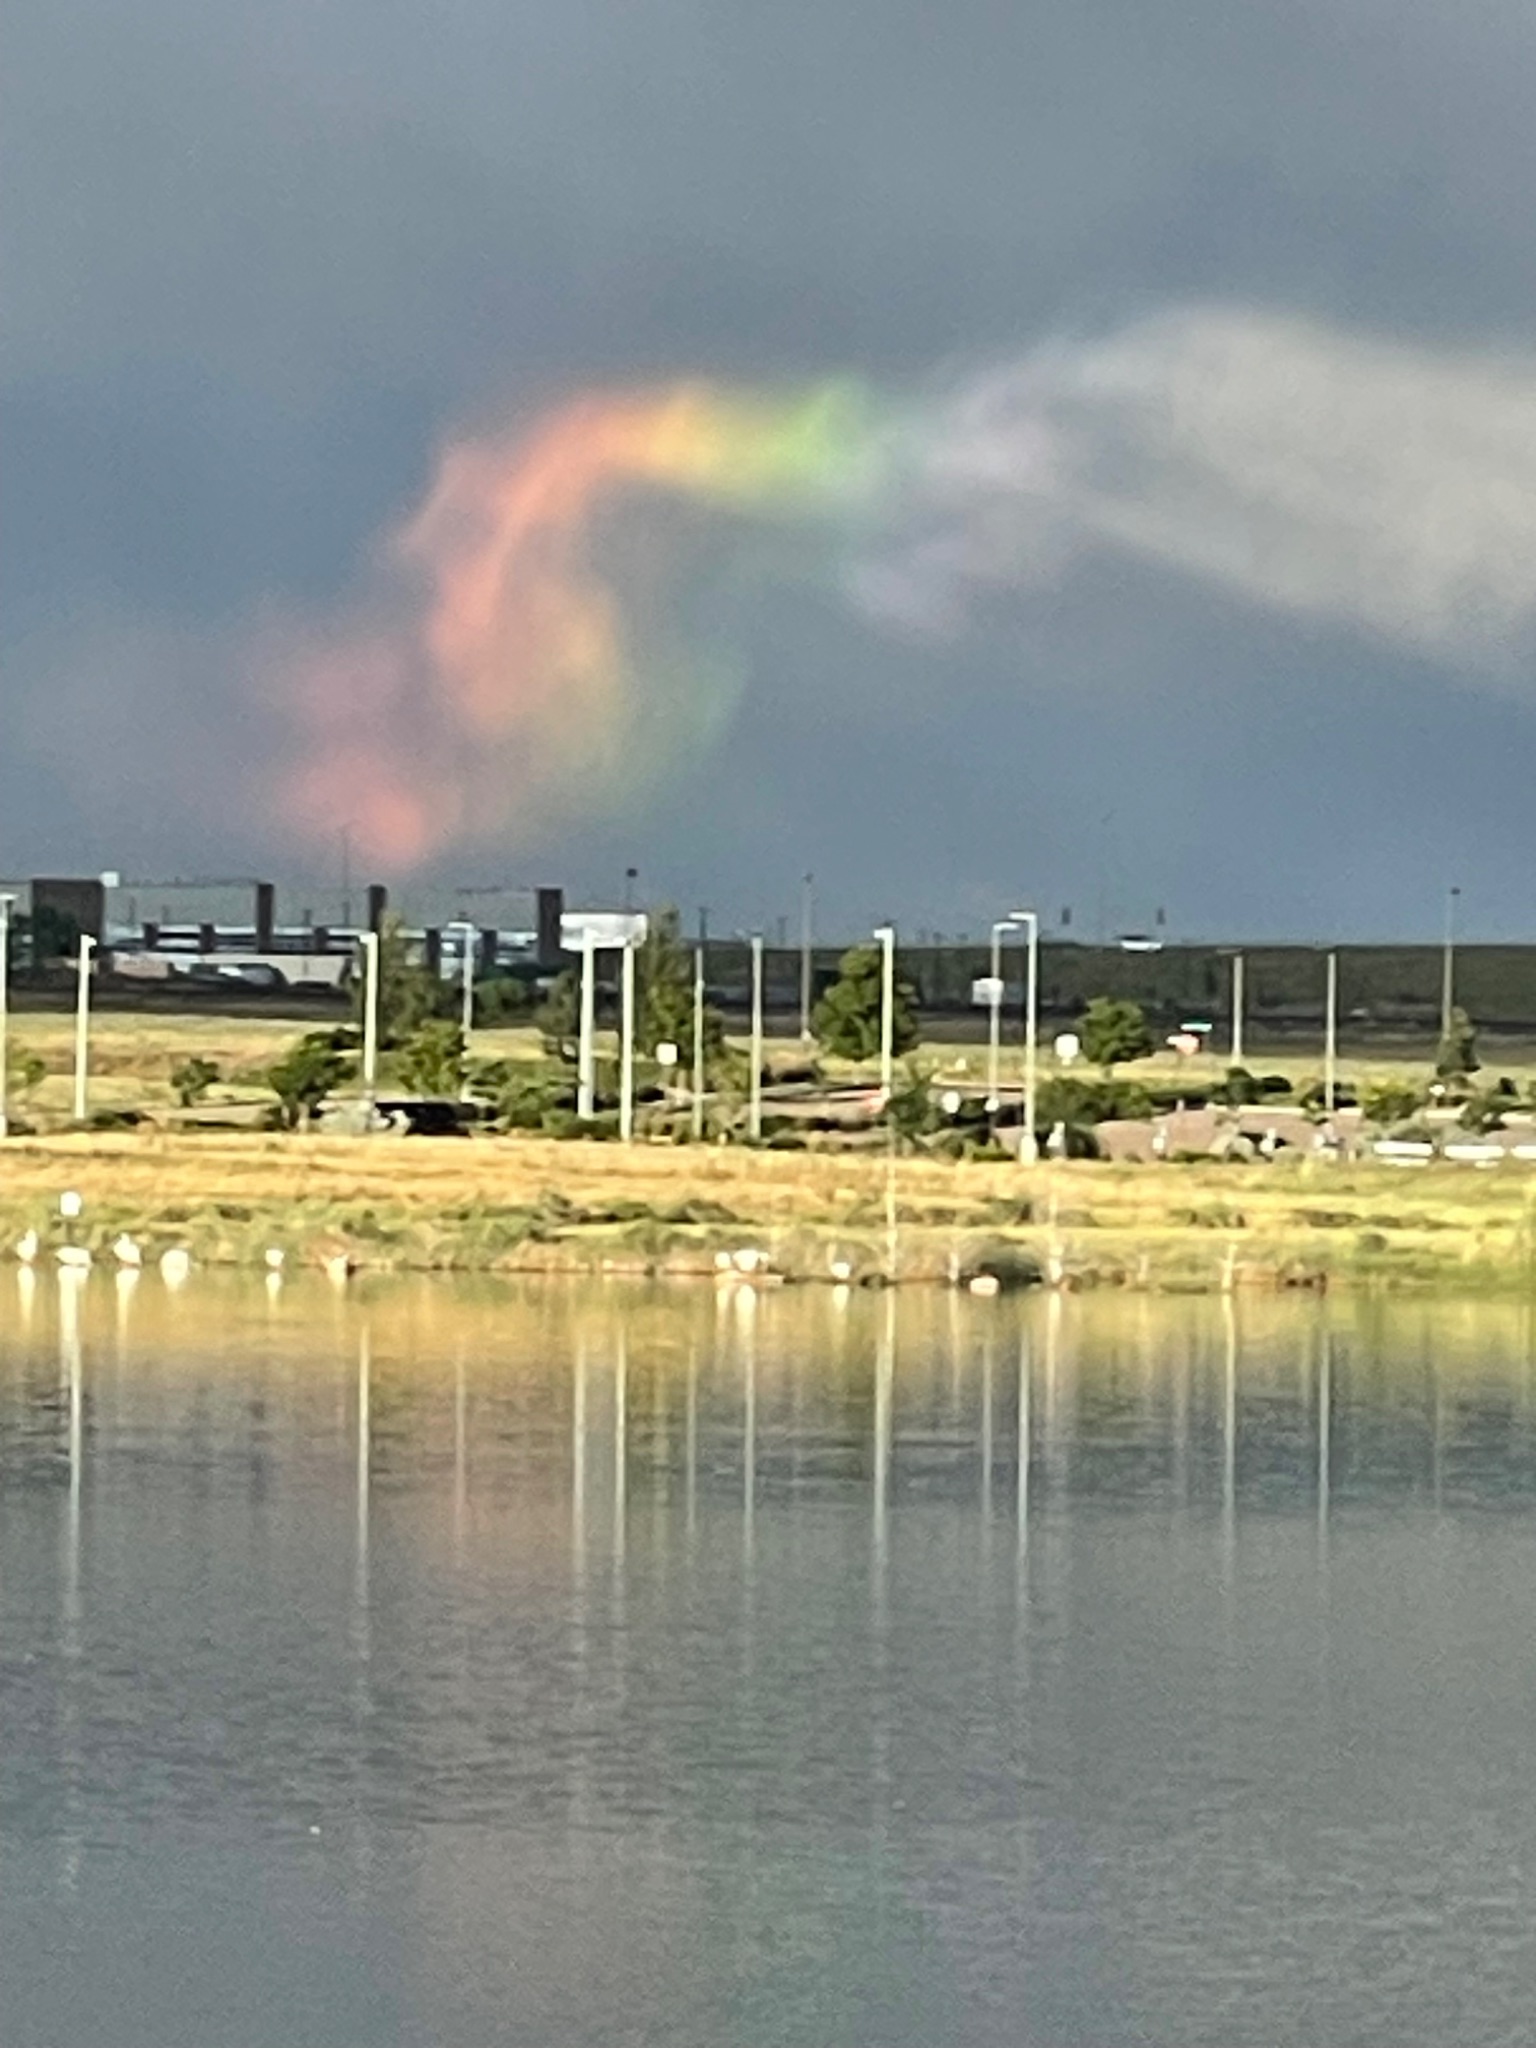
{"x": 1391, "y": 1102}
{"x": 502, "y": 999}
{"x": 192, "y": 1080}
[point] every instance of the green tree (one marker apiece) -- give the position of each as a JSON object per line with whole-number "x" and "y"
{"x": 193, "y": 1078}
{"x": 664, "y": 993}
{"x": 847, "y": 1019}
{"x": 558, "y": 1017}
{"x": 431, "y": 1061}
{"x": 308, "y": 1072}
{"x": 1114, "y": 1031}
{"x": 1457, "y": 1057}
{"x": 408, "y": 993}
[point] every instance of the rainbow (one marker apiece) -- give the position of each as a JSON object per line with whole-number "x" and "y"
{"x": 497, "y": 662}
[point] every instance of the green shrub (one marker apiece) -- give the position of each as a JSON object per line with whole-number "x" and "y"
{"x": 431, "y": 1060}
{"x": 307, "y": 1073}
{"x": 847, "y": 1020}
{"x": 192, "y": 1080}
{"x": 1113, "y": 1032}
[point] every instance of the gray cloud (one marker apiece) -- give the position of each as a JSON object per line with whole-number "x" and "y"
{"x": 260, "y": 261}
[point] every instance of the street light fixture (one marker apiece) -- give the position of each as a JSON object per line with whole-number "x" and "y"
{"x": 1030, "y": 919}
{"x": 696, "y": 1118}
{"x": 995, "y": 1012}
{"x": 755, "y": 1096}
{"x": 467, "y": 938}
{"x": 83, "y": 1023}
{"x": 1448, "y": 963}
{"x": 886, "y": 934}
{"x": 807, "y": 909}
{"x": 7, "y": 903}
{"x": 370, "y": 945}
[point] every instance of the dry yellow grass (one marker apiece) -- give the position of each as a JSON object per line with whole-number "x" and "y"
{"x": 531, "y": 1202}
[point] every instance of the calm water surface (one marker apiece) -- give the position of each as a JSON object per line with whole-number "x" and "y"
{"x": 446, "y": 1663}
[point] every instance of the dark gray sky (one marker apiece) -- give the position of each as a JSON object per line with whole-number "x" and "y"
{"x": 260, "y": 261}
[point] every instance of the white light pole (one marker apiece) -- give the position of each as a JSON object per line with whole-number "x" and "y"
{"x": 1237, "y": 1009}
{"x": 83, "y": 1023}
{"x": 807, "y": 909}
{"x": 755, "y": 1097}
{"x": 886, "y": 934}
{"x": 1448, "y": 964}
{"x": 466, "y": 932}
{"x": 1030, "y": 920}
{"x": 6, "y": 905}
{"x": 584, "y": 1051}
{"x": 697, "y": 1106}
{"x": 627, "y": 1043}
{"x": 995, "y": 1013}
{"x": 370, "y": 945}
{"x": 1331, "y": 1034}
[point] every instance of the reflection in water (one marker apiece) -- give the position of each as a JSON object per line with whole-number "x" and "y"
{"x": 804, "y": 1745}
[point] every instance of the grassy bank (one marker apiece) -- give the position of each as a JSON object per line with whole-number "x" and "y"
{"x": 529, "y": 1204}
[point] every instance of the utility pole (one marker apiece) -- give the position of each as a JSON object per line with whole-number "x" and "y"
{"x": 697, "y": 1106}
{"x": 755, "y": 1098}
{"x": 370, "y": 944}
{"x": 7, "y": 903}
{"x": 1030, "y": 919}
{"x": 627, "y": 1043}
{"x": 1448, "y": 964}
{"x": 1331, "y": 1034}
{"x": 807, "y": 909}
{"x": 886, "y": 934}
{"x": 1238, "y": 964}
{"x": 585, "y": 1061}
{"x": 83, "y": 1023}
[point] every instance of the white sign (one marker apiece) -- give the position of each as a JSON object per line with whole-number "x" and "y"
{"x": 666, "y": 1054}
{"x": 608, "y": 928}
{"x": 986, "y": 990}
{"x": 1067, "y": 1047}
{"x": 1185, "y": 1044}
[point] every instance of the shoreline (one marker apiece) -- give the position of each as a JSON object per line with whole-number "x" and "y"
{"x": 533, "y": 1205}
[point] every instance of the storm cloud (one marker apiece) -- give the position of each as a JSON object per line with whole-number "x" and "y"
{"x": 262, "y": 266}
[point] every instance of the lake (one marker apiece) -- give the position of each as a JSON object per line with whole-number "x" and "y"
{"x": 449, "y": 1662}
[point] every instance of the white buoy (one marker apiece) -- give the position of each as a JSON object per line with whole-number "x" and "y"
{"x": 275, "y": 1257}
{"x": 338, "y": 1268}
{"x": 985, "y": 1283}
{"x": 724, "y": 1262}
{"x": 841, "y": 1270}
{"x": 749, "y": 1260}
{"x": 127, "y": 1251}
{"x": 26, "y": 1247}
{"x": 75, "y": 1258}
{"x": 175, "y": 1265}
{"x": 70, "y": 1204}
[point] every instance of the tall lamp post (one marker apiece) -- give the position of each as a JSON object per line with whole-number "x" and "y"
{"x": 995, "y": 1013}
{"x": 755, "y": 1096}
{"x": 585, "y": 1057}
{"x": 807, "y": 909}
{"x": 467, "y": 936}
{"x": 83, "y": 1023}
{"x": 1030, "y": 919}
{"x": 886, "y": 934}
{"x": 1238, "y": 965}
{"x": 627, "y": 1043}
{"x": 1331, "y": 1034}
{"x": 370, "y": 945}
{"x": 1448, "y": 963}
{"x": 696, "y": 1119}
{"x": 7, "y": 903}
